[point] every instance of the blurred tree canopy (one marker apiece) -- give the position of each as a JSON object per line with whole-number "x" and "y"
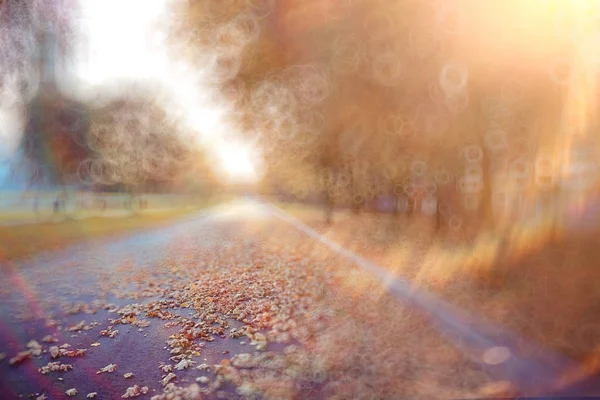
{"x": 462, "y": 102}
{"x": 125, "y": 142}
{"x": 37, "y": 38}
{"x": 135, "y": 143}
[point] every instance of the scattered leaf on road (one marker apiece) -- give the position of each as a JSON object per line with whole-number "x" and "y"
{"x": 108, "y": 368}
{"x": 135, "y": 391}
{"x": 168, "y": 378}
{"x": 20, "y": 357}
{"x": 49, "y": 339}
{"x": 184, "y": 364}
{"x": 55, "y": 367}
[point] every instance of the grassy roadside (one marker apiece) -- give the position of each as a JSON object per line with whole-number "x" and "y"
{"x": 43, "y": 216}
{"x": 541, "y": 289}
{"x": 23, "y": 241}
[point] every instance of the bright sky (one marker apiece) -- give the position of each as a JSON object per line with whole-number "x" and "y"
{"x": 124, "y": 42}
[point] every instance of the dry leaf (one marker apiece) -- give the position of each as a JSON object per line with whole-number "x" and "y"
{"x": 204, "y": 367}
{"x": 74, "y": 353}
{"x": 77, "y": 327}
{"x": 142, "y": 323}
{"x": 32, "y": 344}
{"x": 260, "y": 341}
{"x": 35, "y": 348}
{"x": 127, "y": 375}
{"x": 55, "y": 367}
{"x": 51, "y": 323}
{"x": 71, "y": 392}
{"x": 108, "y": 368}
{"x": 135, "y": 391}
{"x": 92, "y": 395}
{"x": 20, "y": 357}
{"x": 95, "y": 344}
{"x": 184, "y": 364}
{"x": 49, "y": 339}
{"x": 109, "y": 332}
{"x": 166, "y": 368}
{"x": 54, "y": 351}
{"x": 168, "y": 378}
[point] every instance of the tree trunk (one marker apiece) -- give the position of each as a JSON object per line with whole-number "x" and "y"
{"x": 131, "y": 201}
{"x": 36, "y": 205}
{"x": 64, "y": 202}
{"x": 328, "y": 208}
{"x": 412, "y": 204}
{"x": 355, "y": 207}
{"x": 486, "y": 211}
{"x": 554, "y": 211}
{"x": 438, "y": 217}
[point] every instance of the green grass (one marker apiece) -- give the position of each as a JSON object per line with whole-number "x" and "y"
{"x": 11, "y": 217}
{"x": 22, "y": 217}
{"x": 26, "y": 240}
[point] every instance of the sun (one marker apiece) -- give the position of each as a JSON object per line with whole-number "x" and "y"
{"x": 237, "y": 162}
{"x": 124, "y": 43}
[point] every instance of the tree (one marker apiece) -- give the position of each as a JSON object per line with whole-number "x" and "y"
{"x": 402, "y": 90}
{"x": 37, "y": 38}
{"x": 134, "y": 143}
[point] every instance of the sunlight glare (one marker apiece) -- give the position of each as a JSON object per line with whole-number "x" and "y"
{"x": 126, "y": 43}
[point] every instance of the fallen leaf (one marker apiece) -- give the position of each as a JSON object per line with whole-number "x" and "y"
{"x": 132, "y": 391}
{"x": 205, "y": 367}
{"x": 49, "y": 339}
{"x": 75, "y": 353}
{"x": 168, "y": 378}
{"x": 55, "y": 367}
{"x": 71, "y": 392}
{"x": 51, "y": 323}
{"x": 54, "y": 351}
{"x": 184, "y": 364}
{"x": 32, "y": 344}
{"x": 108, "y": 368}
{"x": 127, "y": 375}
{"x": 92, "y": 395}
{"x": 142, "y": 323}
{"x": 35, "y": 348}
{"x": 166, "y": 368}
{"x": 20, "y": 357}
{"x": 77, "y": 327}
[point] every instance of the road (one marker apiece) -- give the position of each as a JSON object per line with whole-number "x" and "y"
{"x": 242, "y": 301}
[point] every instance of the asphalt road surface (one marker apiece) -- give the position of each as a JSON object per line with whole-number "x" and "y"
{"x": 242, "y": 301}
